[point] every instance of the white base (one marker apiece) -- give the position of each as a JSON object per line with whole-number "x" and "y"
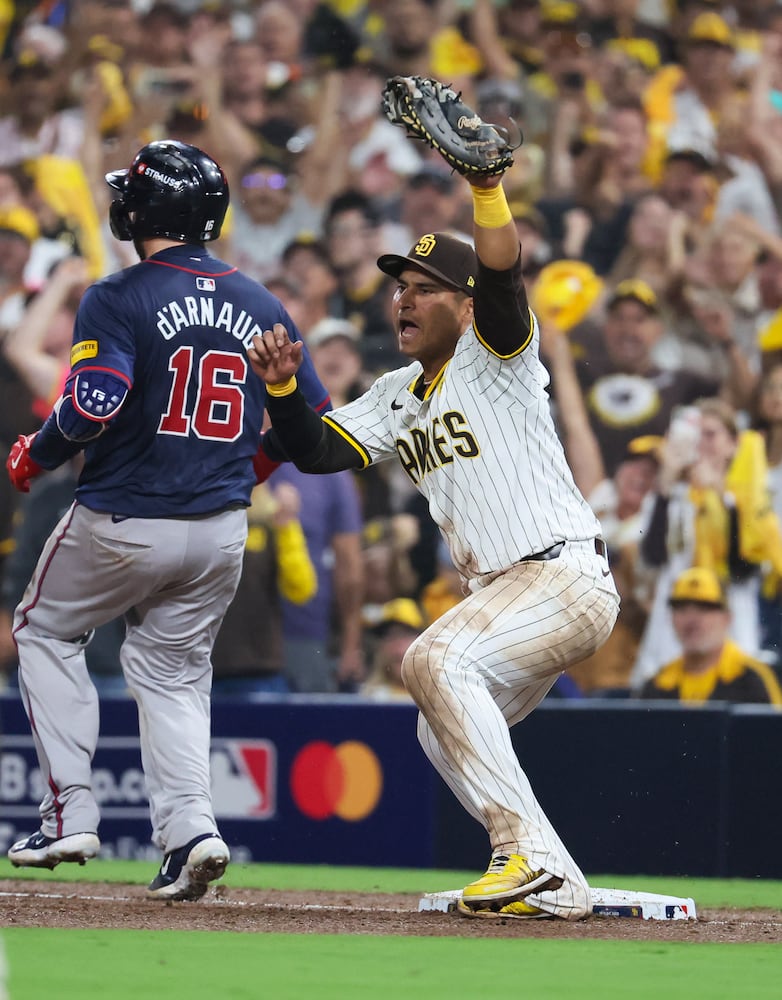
{"x": 605, "y": 903}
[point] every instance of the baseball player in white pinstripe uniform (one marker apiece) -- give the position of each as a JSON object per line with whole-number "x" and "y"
{"x": 469, "y": 420}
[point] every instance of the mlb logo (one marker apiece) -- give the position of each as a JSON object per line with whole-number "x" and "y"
{"x": 205, "y": 284}
{"x": 244, "y": 779}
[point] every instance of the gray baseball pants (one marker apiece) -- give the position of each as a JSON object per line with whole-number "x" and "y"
{"x": 173, "y": 580}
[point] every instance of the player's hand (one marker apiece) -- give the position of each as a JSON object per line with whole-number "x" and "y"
{"x": 489, "y": 181}
{"x": 274, "y": 356}
{"x": 21, "y": 468}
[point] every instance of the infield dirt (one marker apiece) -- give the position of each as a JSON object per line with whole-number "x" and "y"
{"x": 27, "y": 903}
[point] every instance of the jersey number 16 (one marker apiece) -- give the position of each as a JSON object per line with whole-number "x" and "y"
{"x": 218, "y": 407}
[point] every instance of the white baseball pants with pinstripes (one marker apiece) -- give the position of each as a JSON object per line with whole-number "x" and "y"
{"x": 484, "y": 666}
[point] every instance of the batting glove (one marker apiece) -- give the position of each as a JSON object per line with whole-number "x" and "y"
{"x": 21, "y": 468}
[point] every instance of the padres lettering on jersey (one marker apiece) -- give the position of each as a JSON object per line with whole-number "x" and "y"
{"x": 483, "y": 449}
{"x": 436, "y": 444}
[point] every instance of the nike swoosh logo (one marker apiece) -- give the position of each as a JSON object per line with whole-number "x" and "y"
{"x": 396, "y": 406}
{"x": 606, "y": 572}
{"x": 15, "y": 461}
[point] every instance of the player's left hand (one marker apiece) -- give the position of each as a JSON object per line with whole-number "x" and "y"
{"x": 433, "y": 112}
{"x": 21, "y": 468}
{"x": 274, "y": 356}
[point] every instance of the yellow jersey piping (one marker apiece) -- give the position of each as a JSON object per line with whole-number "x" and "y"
{"x": 506, "y": 357}
{"x": 365, "y": 458}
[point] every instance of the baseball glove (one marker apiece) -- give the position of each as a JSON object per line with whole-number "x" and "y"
{"x": 434, "y": 113}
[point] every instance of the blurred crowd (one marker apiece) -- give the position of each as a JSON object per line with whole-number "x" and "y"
{"x": 648, "y": 199}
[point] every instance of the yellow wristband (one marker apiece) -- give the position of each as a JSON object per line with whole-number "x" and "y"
{"x": 490, "y": 207}
{"x": 282, "y": 388}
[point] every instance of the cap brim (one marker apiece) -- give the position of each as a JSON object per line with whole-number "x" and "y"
{"x": 678, "y": 602}
{"x": 653, "y": 310}
{"x": 393, "y": 264}
{"x": 313, "y": 342}
{"x": 383, "y": 627}
{"x": 693, "y": 156}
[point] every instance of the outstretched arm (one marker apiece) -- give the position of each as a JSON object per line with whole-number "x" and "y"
{"x": 494, "y": 231}
{"x": 481, "y": 153}
{"x": 298, "y": 433}
{"x": 503, "y": 321}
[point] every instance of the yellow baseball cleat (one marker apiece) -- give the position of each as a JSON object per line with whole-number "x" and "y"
{"x": 518, "y": 910}
{"x": 507, "y": 877}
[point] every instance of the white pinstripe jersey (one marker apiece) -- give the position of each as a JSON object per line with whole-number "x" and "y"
{"x": 482, "y": 447}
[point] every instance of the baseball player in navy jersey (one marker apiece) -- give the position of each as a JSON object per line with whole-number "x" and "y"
{"x": 469, "y": 421}
{"x": 163, "y": 403}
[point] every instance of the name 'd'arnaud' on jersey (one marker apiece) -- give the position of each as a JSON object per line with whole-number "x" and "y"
{"x": 175, "y": 329}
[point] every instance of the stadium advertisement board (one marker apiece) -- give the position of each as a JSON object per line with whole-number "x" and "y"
{"x": 321, "y": 781}
{"x": 632, "y": 787}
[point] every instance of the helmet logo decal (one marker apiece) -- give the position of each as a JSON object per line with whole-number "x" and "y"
{"x": 175, "y": 183}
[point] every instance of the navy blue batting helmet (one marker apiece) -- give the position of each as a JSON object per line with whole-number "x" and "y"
{"x": 171, "y": 190}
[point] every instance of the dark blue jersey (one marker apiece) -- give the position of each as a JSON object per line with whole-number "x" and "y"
{"x": 174, "y": 329}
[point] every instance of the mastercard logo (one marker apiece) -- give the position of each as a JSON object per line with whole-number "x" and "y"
{"x": 344, "y": 780}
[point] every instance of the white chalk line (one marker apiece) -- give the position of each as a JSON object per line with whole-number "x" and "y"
{"x": 218, "y": 901}
{"x": 318, "y": 907}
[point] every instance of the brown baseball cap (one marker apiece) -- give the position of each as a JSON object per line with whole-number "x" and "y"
{"x": 445, "y": 257}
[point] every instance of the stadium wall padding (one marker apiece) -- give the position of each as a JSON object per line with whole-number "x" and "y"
{"x": 632, "y": 787}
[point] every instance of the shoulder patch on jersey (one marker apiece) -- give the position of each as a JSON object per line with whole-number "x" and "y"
{"x": 84, "y": 349}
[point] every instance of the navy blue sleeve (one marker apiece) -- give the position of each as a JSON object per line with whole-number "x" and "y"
{"x": 50, "y": 449}
{"x": 102, "y": 341}
{"x": 103, "y": 335}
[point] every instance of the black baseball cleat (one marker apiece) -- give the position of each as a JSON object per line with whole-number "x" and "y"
{"x": 187, "y": 871}
{"x": 40, "y": 851}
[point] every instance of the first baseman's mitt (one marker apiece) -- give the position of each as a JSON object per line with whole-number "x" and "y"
{"x": 434, "y": 113}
